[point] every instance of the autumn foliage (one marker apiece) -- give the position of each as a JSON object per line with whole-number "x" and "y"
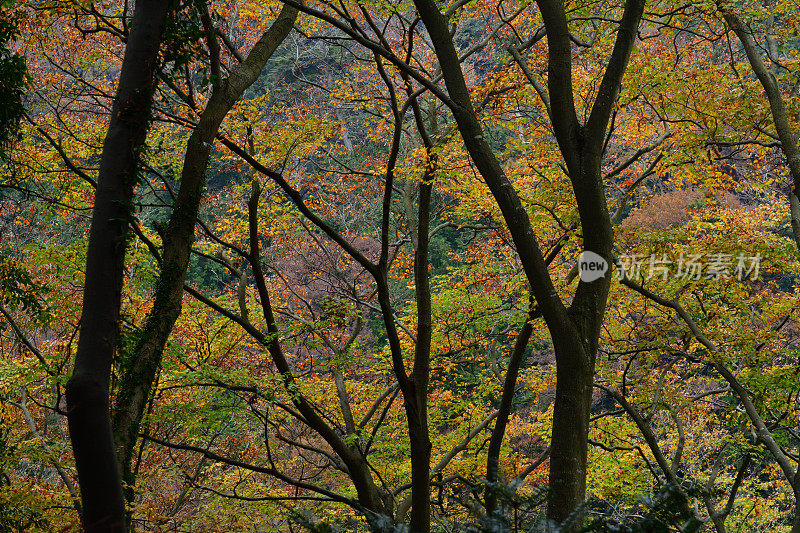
{"x": 329, "y": 316}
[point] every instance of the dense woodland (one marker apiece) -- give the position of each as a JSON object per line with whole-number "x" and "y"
{"x": 313, "y": 265}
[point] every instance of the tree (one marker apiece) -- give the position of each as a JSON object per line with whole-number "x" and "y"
{"x": 575, "y": 330}
{"x": 140, "y": 371}
{"x": 361, "y": 342}
{"x": 769, "y": 81}
{"x": 88, "y": 388}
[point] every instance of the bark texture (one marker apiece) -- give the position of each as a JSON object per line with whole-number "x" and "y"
{"x": 87, "y": 391}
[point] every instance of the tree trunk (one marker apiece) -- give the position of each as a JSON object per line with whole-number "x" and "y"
{"x": 503, "y": 414}
{"x": 789, "y": 147}
{"x": 417, "y": 408}
{"x": 780, "y": 117}
{"x": 369, "y": 496}
{"x": 581, "y": 146}
{"x": 139, "y": 374}
{"x": 87, "y": 391}
{"x": 569, "y": 443}
{"x": 796, "y": 518}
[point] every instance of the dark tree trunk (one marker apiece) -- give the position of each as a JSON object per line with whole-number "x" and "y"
{"x": 575, "y": 330}
{"x": 503, "y": 414}
{"x": 417, "y": 405}
{"x": 139, "y": 375}
{"x": 87, "y": 391}
{"x": 569, "y": 444}
{"x": 575, "y": 345}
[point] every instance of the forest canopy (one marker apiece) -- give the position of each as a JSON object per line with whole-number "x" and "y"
{"x": 400, "y": 266}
